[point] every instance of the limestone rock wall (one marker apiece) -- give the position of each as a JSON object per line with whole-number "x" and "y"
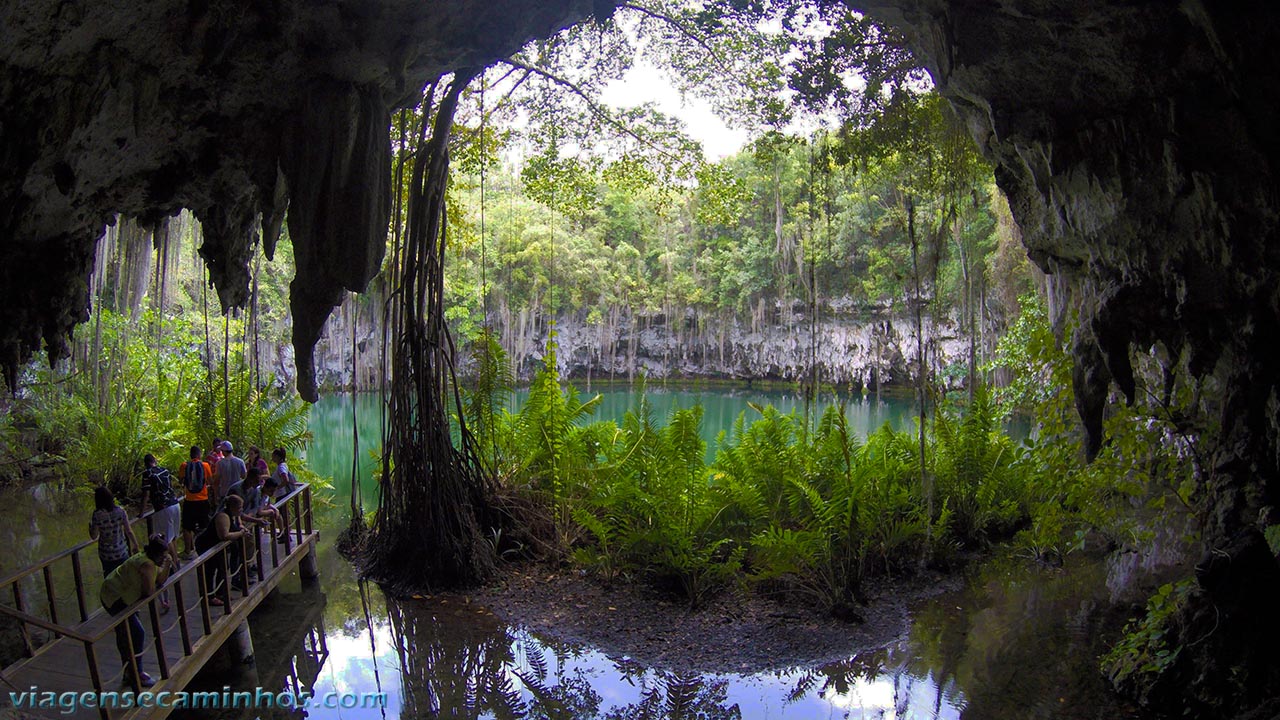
{"x": 1138, "y": 146}
{"x": 858, "y": 351}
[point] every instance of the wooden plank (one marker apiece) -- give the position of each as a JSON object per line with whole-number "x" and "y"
{"x": 57, "y": 630}
{"x": 51, "y": 595}
{"x": 20, "y": 605}
{"x": 180, "y": 607}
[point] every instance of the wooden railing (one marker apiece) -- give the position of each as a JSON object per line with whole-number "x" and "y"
{"x": 11, "y": 586}
{"x": 296, "y": 516}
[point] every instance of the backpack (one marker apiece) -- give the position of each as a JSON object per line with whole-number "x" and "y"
{"x": 193, "y": 476}
{"x": 161, "y": 487}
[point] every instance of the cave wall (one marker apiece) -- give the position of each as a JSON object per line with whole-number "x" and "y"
{"x": 232, "y": 109}
{"x": 1137, "y": 143}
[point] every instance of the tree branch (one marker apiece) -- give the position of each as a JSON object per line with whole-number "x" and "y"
{"x": 595, "y": 107}
{"x": 682, "y": 28}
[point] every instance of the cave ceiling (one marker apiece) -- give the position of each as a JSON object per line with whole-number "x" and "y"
{"x": 1137, "y": 141}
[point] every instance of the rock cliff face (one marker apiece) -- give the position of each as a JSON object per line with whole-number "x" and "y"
{"x": 849, "y": 350}
{"x": 234, "y": 110}
{"x": 1137, "y": 143}
{"x": 861, "y": 352}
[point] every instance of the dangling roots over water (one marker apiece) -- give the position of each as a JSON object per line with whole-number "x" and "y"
{"x": 434, "y": 502}
{"x": 350, "y": 542}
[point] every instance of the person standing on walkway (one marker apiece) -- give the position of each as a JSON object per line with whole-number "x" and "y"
{"x": 157, "y": 490}
{"x": 255, "y": 460}
{"x": 282, "y": 482}
{"x": 258, "y": 509}
{"x": 109, "y": 525}
{"x": 135, "y": 578}
{"x": 229, "y": 471}
{"x": 196, "y": 477}
{"x": 215, "y": 453}
{"x": 224, "y": 526}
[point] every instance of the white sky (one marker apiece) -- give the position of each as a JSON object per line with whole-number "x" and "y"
{"x": 644, "y": 83}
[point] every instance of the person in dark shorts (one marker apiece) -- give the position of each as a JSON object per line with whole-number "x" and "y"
{"x": 157, "y": 491}
{"x": 196, "y": 475}
{"x": 224, "y": 526}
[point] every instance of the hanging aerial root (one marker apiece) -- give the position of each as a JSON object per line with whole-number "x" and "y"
{"x": 434, "y": 514}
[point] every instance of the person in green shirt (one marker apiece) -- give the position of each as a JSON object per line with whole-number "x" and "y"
{"x": 135, "y": 578}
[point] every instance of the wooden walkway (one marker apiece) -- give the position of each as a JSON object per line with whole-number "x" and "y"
{"x": 82, "y": 657}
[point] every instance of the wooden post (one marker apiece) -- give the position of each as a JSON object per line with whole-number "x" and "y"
{"x": 182, "y": 616}
{"x": 21, "y": 606}
{"x": 244, "y": 565}
{"x": 226, "y": 582}
{"x": 275, "y": 546}
{"x": 241, "y": 644}
{"x": 78, "y": 573}
{"x": 309, "y": 567}
{"x": 257, "y": 551}
{"x": 161, "y": 660}
{"x": 284, "y": 521}
{"x": 132, "y": 661}
{"x": 53, "y": 600}
{"x": 95, "y": 675}
{"x": 202, "y": 584}
{"x": 306, "y": 506}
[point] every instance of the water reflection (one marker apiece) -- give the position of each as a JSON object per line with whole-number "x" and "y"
{"x": 330, "y": 420}
{"x": 291, "y": 653}
{"x": 1016, "y": 643}
{"x": 463, "y": 662}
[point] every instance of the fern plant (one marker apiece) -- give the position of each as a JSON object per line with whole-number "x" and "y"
{"x": 487, "y": 400}
{"x": 973, "y": 464}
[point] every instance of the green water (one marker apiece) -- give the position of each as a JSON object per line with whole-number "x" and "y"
{"x": 331, "y": 419}
{"x": 1017, "y": 641}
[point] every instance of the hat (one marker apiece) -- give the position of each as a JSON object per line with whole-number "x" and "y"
{"x": 226, "y": 446}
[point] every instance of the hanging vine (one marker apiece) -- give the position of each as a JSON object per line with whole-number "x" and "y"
{"x": 434, "y": 505}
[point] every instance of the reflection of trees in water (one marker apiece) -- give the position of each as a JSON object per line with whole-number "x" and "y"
{"x": 290, "y": 651}
{"x": 838, "y": 678}
{"x": 303, "y": 668}
{"x": 680, "y": 697}
{"x": 453, "y": 666}
{"x": 1023, "y": 644}
{"x": 455, "y": 662}
{"x": 841, "y": 678}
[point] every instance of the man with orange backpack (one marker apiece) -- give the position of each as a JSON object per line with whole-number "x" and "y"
{"x": 196, "y": 476}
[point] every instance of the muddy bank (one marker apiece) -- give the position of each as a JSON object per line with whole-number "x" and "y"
{"x": 736, "y": 632}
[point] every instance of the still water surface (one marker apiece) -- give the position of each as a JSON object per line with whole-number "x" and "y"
{"x": 1017, "y": 642}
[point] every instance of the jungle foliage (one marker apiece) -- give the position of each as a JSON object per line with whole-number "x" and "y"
{"x": 153, "y": 373}
{"x": 800, "y": 509}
